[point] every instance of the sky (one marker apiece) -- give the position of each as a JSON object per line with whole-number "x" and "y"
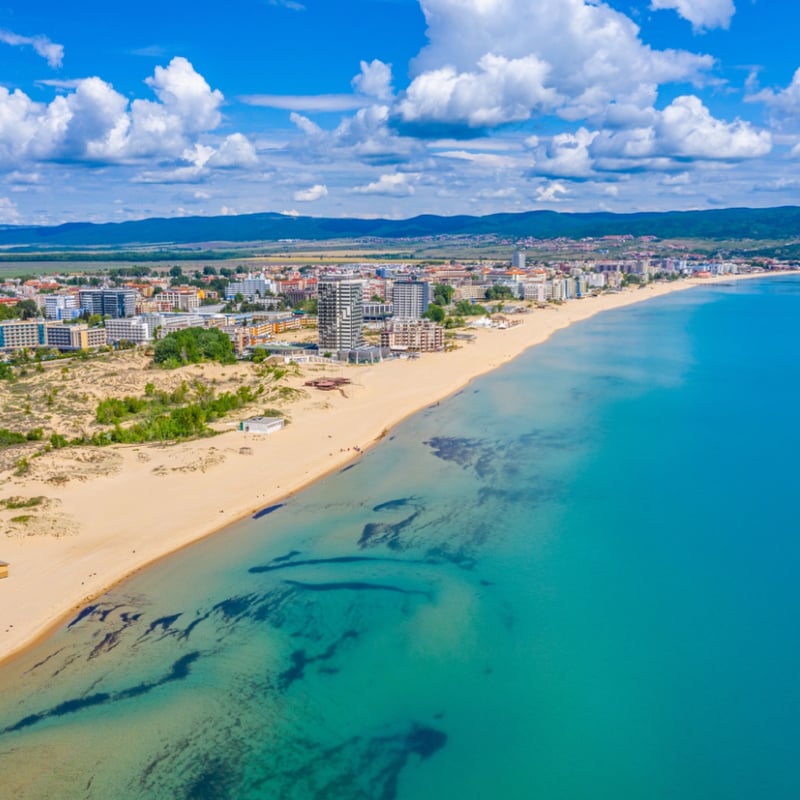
{"x": 393, "y": 108}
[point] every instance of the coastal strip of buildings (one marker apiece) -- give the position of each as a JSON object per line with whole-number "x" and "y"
{"x": 390, "y": 300}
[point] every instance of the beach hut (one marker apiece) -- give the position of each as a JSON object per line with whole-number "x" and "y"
{"x": 3, "y": 569}
{"x": 262, "y": 424}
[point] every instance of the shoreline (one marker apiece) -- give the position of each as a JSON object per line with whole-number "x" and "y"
{"x": 163, "y": 498}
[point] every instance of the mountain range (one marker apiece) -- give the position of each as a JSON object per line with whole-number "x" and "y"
{"x": 781, "y": 223}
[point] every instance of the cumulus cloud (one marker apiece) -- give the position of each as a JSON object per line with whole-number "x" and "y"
{"x": 685, "y": 130}
{"x": 374, "y": 80}
{"x": 565, "y": 155}
{"x": 500, "y": 90}
{"x": 491, "y": 62}
{"x": 316, "y": 192}
{"x": 703, "y": 14}
{"x": 235, "y": 151}
{"x": 551, "y": 193}
{"x": 394, "y": 185}
{"x": 785, "y": 103}
{"x": 94, "y": 122}
{"x": 53, "y": 53}
{"x": 365, "y": 137}
{"x": 185, "y": 94}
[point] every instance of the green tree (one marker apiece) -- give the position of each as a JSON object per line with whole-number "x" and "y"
{"x": 193, "y": 345}
{"x": 466, "y": 309}
{"x": 435, "y": 313}
{"x": 499, "y": 292}
{"x": 27, "y": 309}
{"x": 443, "y": 294}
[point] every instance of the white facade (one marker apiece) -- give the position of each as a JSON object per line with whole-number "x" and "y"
{"x": 128, "y": 329}
{"x": 61, "y": 306}
{"x": 340, "y": 314}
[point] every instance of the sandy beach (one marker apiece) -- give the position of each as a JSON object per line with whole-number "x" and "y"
{"x": 137, "y": 504}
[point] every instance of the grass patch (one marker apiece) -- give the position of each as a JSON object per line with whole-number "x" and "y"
{"x": 13, "y": 503}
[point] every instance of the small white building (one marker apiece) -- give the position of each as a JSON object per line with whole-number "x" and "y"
{"x": 262, "y": 424}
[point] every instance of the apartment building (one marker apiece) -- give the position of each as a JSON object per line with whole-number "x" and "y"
{"x": 340, "y": 313}
{"x": 418, "y": 336}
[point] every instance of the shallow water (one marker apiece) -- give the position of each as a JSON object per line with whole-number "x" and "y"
{"x": 575, "y": 578}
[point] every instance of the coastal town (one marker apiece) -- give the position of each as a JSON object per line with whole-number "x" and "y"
{"x": 133, "y": 382}
{"x": 390, "y": 308}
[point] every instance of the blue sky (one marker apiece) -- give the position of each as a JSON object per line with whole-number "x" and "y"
{"x": 394, "y": 107}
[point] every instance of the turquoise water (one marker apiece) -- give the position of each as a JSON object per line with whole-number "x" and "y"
{"x": 577, "y": 578}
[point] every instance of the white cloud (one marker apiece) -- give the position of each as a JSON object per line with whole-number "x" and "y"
{"x": 316, "y": 192}
{"x": 185, "y": 94}
{"x": 9, "y": 213}
{"x": 500, "y": 90}
{"x": 703, "y": 14}
{"x": 687, "y": 129}
{"x": 491, "y": 62}
{"x": 785, "y": 102}
{"x": 307, "y": 102}
{"x": 565, "y": 155}
{"x": 551, "y": 193}
{"x": 490, "y": 160}
{"x": 235, "y": 151}
{"x": 94, "y": 122}
{"x": 394, "y": 185}
{"x": 292, "y": 5}
{"x": 53, "y": 53}
{"x": 374, "y": 80}
{"x": 366, "y": 137}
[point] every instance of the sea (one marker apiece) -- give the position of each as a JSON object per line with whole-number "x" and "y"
{"x": 576, "y": 578}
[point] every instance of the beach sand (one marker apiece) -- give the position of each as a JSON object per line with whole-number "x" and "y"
{"x": 136, "y": 504}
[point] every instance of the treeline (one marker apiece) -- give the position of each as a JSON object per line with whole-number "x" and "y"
{"x": 192, "y": 346}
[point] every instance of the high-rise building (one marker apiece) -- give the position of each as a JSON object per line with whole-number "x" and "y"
{"x": 410, "y": 299}
{"x": 518, "y": 260}
{"x": 114, "y": 303}
{"x": 61, "y": 306}
{"x": 340, "y": 313}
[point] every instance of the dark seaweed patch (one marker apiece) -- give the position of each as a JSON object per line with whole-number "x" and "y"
{"x": 82, "y": 615}
{"x": 360, "y": 768}
{"x": 288, "y": 557}
{"x": 235, "y": 607}
{"x": 268, "y": 510}
{"x": 313, "y": 562}
{"x": 300, "y": 660}
{"x": 355, "y": 586}
{"x": 165, "y": 623}
{"x": 459, "y": 450}
{"x": 385, "y": 534}
{"x": 216, "y": 781}
{"x": 44, "y": 661}
{"x": 180, "y": 670}
{"x": 425, "y": 741}
{"x": 391, "y": 505}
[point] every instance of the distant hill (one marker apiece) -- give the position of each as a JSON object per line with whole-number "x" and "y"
{"x": 731, "y": 223}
